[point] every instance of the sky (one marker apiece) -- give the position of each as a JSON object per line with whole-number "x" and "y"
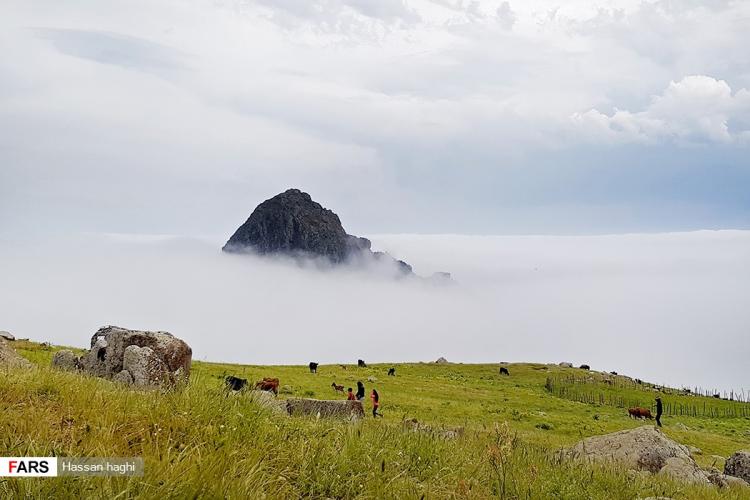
{"x": 420, "y": 116}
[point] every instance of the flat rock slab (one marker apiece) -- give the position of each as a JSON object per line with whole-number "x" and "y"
{"x": 351, "y": 410}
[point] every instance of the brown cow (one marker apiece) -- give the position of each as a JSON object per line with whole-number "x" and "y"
{"x": 338, "y": 388}
{"x": 639, "y": 412}
{"x": 268, "y": 384}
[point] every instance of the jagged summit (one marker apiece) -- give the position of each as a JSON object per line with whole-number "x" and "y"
{"x": 291, "y": 223}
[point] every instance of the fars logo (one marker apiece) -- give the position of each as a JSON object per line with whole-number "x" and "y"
{"x": 28, "y": 466}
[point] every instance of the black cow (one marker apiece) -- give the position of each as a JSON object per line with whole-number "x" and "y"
{"x": 613, "y": 373}
{"x": 361, "y": 363}
{"x": 391, "y": 372}
{"x": 234, "y": 383}
{"x": 504, "y": 371}
{"x": 585, "y": 367}
{"x": 313, "y": 367}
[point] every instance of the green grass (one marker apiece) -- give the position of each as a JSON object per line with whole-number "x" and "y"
{"x": 199, "y": 442}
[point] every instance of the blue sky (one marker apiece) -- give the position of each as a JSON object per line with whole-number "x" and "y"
{"x": 424, "y": 116}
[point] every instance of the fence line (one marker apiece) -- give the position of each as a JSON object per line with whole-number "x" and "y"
{"x": 572, "y": 388}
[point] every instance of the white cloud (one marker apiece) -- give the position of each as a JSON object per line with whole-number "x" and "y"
{"x": 696, "y": 109}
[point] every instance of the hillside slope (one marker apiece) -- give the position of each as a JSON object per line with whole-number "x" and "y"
{"x": 201, "y": 442}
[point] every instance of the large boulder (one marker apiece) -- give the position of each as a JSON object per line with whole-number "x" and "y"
{"x": 148, "y": 358}
{"x": 350, "y": 410}
{"x": 643, "y": 449}
{"x": 7, "y": 335}
{"x": 441, "y": 361}
{"x": 9, "y": 358}
{"x": 292, "y": 224}
{"x": 66, "y": 360}
{"x": 144, "y": 365}
{"x": 738, "y": 465}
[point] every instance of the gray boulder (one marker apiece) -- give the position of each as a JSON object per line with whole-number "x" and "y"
{"x": 441, "y": 361}
{"x": 144, "y": 365}
{"x": 9, "y": 358}
{"x": 645, "y": 449}
{"x": 738, "y": 465}
{"x": 66, "y": 360}
{"x": 124, "y": 377}
{"x": 725, "y": 481}
{"x": 6, "y": 335}
{"x": 565, "y": 364}
{"x": 150, "y": 358}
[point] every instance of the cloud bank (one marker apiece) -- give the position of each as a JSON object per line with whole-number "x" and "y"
{"x": 670, "y": 308}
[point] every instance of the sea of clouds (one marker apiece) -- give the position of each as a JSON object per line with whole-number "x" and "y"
{"x": 670, "y": 308}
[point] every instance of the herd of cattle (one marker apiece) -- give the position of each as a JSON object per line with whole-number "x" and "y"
{"x": 267, "y": 384}
{"x": 272, "y": 385}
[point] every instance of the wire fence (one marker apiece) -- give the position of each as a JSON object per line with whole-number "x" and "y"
{"x": 676, "y": 402}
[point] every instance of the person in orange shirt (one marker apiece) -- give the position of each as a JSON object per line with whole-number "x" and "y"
{"x": 350, "y": 395}
{"x": 375, "y": 403}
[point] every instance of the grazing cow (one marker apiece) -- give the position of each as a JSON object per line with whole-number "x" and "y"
{"x": 361, "y": 364}
{"x": 638, "y": 381}
{"x": 391, "y": 372}
{"x": 613, "y": 373}
{"x": 313, "y": 367}
{"x": 268, "y": 384}
{"x": 639, "y": 412}
{"x": 717, "y": 396}
{"x": 337, "y": 388}
{"x": 234, "y": 383}
{"x": 504, "y": 371}
{"x": 585, "y": 367}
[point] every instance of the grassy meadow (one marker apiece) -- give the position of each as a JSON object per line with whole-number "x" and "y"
{"x": 199, "y": 442}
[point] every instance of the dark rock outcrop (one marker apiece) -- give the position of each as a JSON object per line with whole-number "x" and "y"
{"x": 738, "y": 465}
{"x": 292, "y": 224}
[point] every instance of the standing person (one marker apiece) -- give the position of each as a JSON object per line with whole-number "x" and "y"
{"x": 360, "y": 391}
{"x": 658, "y": 411}
{"x": 375, "y": 403}
{"x": 350, "y": 395}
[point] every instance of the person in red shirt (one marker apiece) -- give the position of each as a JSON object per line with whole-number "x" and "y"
{"x": 375, "y": 403}
{"x": 350, "y": 395}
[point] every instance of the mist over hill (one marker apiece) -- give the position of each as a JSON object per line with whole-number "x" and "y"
{"x": 665, "y": 307}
